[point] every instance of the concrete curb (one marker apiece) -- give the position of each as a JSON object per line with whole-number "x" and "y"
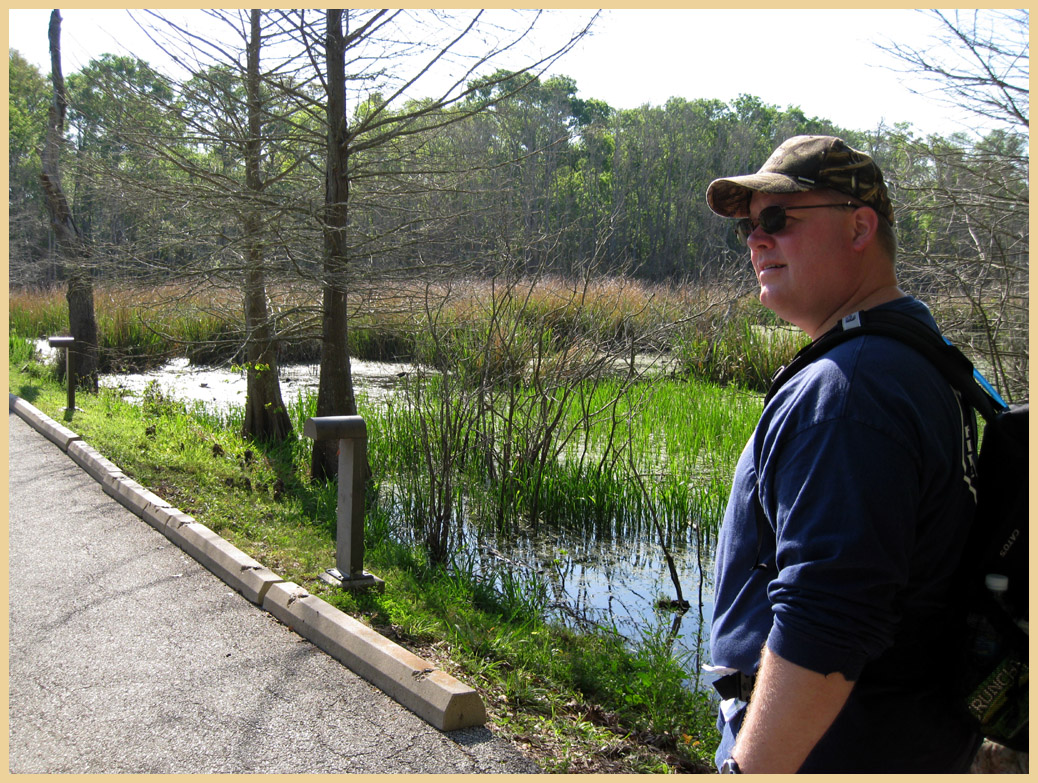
{"x": 58, "y": 434}
{"x": 431, "y": 694}
{"x": 247, "y": 576}
{"x": 435, "y": 696}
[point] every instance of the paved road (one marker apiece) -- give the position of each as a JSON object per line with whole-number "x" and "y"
{"x": 127, "y": 656}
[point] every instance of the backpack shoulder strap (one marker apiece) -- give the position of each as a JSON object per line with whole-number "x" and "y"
{"x": 952, "y": 363}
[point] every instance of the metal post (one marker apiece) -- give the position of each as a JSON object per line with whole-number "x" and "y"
{"x": 70, "y": 375}
{"x": 352, "y": 435}
{"x": 349, "y": 548}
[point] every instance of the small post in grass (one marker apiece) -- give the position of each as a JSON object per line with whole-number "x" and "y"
{"x": 352, "y": 435}
{"x": 70, "y": 374}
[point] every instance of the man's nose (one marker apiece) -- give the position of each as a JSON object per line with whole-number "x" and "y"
{"x": 759, "y": 238}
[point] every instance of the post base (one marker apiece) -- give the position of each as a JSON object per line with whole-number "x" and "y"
{"x": 362, "y": 581}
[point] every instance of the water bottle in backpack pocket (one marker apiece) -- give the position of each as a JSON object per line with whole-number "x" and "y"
{"x": 993, "y": 678}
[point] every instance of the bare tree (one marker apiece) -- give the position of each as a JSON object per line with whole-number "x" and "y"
{"x": 265, "y": 414}
{"x": 980, "y": 63}
{"x": 335, "y": 395}
{"x": 237, "y": 149}
{"x": 71, "y": 244}
{"x": 381, "y": 53}
{"x": 346, "y": 83}
{"x": 964, "y": 203}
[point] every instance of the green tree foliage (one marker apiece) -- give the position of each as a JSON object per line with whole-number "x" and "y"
{"x": 118, "y": 107}
{"x": 27, "y": 111}
{"x": 28, "y": 99}
{"x": 563, "y": 178}
{"x": 115, "y": 100}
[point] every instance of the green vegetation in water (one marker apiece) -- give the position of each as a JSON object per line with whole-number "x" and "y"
{"x": 681, "y": 437}
{"x": 577, "y": 702}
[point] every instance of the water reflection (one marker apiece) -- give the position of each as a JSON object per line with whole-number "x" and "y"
{"x": 616, "y": 585}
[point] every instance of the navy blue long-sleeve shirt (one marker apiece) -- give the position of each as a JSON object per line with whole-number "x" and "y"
{"x": 858, "y": 465}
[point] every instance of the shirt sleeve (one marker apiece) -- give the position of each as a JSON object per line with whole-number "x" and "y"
{"x": 843, "y": 496}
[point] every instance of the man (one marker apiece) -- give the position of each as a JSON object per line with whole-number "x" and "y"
{"x": 839, "y": 617}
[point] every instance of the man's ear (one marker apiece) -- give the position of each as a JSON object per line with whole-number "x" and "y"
{"x": 866, "y": 224}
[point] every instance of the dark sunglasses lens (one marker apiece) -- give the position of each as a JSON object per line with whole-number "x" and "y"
{"x": 771, "y": 219}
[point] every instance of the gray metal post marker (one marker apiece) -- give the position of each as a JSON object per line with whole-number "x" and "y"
{"x": 352, "y": 435}
{"x": 70, "y": 380}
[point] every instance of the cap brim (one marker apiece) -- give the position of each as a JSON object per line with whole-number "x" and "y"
{"x": 730, "y": 196}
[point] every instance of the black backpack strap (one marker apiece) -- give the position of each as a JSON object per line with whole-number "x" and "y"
{"x": 952, "y": 363}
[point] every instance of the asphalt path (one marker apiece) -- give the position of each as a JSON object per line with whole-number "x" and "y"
{"x": 126, "y": 656}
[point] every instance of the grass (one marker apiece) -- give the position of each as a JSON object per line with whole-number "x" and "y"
{"x": 578, "y": 702}
{"x": 142, "y": 327}
{"x": 679, "y": 439}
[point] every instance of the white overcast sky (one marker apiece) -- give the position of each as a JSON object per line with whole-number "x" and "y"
{"x": 824, "y": 61}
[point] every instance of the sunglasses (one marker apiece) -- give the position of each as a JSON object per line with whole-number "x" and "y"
{"x": 773, "y": 219}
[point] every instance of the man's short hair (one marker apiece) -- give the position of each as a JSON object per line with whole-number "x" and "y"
{"x": 887, "y": 238}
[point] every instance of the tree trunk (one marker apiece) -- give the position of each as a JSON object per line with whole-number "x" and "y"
{"x": 71, "y": 245}
{"x": 335, "y": 389}
{"x": 265, "y": 414}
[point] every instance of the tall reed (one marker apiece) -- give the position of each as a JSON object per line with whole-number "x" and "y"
{"x": 684, "y": 436}
{"x": 36, "y": 313}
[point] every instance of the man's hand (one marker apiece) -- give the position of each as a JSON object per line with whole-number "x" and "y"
{"x": 792, "y": 707}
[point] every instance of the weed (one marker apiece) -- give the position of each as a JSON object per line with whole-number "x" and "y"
{"x": 21, "y": 350}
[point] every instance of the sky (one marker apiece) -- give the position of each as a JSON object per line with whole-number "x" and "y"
{"x": 827, "y": 62}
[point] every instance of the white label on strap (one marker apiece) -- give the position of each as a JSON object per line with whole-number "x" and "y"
{"x": 852, "y": 321}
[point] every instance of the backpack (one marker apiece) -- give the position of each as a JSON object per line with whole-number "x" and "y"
{"x": 992, "y": 675}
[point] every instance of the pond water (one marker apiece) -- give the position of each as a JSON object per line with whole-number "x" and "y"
{"x": 617, "y": 584}
{"x": 613, "y": 584}
{"x": 221, "y": 387}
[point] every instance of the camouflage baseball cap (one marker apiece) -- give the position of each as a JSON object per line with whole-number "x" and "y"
{"x": 805, "y": 163}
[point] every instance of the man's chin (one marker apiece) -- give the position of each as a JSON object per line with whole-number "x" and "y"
{"x": 768, "y": 298}
{"x": 771, "y": 300}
